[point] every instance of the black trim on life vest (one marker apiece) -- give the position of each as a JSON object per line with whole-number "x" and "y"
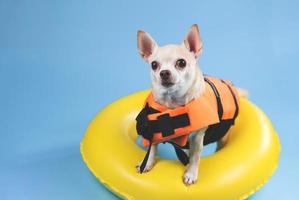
{"x": 235, "y": 99}
{"x": 216, "y": 131}
{"x": 218, "y": 98}
{"x": 142, "y": 125}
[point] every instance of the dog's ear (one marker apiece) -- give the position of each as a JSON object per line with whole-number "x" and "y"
{"x": 146, "y": 44}
{"x": 193, "y": 41}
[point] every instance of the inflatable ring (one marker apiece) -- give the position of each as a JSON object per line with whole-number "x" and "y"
{"x": 236, "y": 171}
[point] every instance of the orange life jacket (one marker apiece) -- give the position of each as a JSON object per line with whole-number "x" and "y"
{"x": 215, "y": 109}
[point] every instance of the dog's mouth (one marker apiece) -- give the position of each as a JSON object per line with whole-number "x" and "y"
{"x": 167, "y": 84}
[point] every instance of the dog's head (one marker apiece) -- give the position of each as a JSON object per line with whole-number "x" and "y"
{"x": 173, "y": 67}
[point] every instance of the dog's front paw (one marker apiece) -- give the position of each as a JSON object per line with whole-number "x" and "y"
{"x": 149, "y": 165}
{"x": 190, "y": 176}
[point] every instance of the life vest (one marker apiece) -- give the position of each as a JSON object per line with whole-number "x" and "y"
{"x": 215, "y": 109}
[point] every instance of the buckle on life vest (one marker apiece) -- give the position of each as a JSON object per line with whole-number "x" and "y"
{"x": 165, "y": 124}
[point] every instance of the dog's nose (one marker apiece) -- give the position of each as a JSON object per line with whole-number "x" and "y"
{"x": 165, "y": 74}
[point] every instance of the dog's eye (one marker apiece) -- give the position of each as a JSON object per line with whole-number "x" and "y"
{"x": 154, "y": 65}
{"x": 181, "y": 63}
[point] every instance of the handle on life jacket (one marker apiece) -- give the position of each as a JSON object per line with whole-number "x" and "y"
{"x": 165, "y": 123}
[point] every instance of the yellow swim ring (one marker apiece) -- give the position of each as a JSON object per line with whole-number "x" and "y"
{"x": 240, "y": 168}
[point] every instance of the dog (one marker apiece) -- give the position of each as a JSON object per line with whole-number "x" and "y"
{"x": 176, "y": 80}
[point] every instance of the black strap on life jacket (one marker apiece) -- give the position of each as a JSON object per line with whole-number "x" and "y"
{"x": 218, "y": 98}
{"x": 235, "y": 100}
{"x": 164, "y": 124}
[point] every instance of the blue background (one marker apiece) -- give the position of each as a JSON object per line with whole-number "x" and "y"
{"x": 62, "y": 61}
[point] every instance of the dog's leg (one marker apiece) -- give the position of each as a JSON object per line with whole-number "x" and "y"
{"x": 151, "y": 160}
{"x": 196, "y": 146}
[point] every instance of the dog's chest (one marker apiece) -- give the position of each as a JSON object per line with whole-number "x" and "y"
{"x": 172, "y": 101}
